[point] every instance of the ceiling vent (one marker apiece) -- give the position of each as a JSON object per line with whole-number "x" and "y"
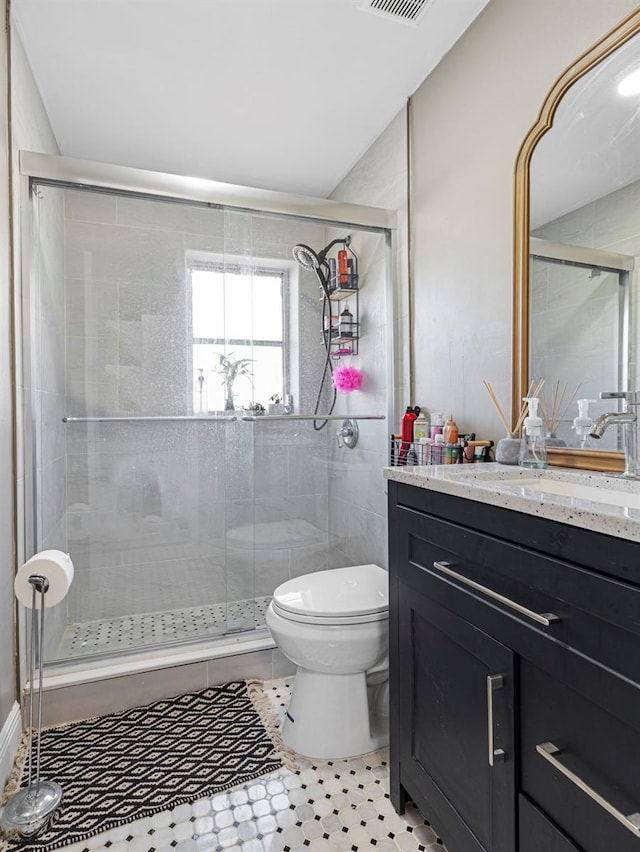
{"x": 408, "y": 11}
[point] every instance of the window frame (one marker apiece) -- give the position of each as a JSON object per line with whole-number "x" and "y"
{"x": 254, "y": 267}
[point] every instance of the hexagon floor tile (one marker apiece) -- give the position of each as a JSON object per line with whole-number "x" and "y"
{"x": 326, "y": 806}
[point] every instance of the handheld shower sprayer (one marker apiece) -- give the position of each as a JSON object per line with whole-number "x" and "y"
{"x": 306, "y": 257}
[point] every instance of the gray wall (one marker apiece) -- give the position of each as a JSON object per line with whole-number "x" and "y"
{"x": 30, "y": 129}
{"x": 469, "y": 119}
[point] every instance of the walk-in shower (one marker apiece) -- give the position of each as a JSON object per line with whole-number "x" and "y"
{"x": 162, "y": 316}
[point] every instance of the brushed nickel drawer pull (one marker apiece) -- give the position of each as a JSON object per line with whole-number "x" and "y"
{"x": 493, "y": 682}
{"x": 631, "y": 822}
{"x": 545, "y": 618}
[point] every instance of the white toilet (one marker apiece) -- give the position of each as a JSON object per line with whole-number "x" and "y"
{"x": 334, "y": 626}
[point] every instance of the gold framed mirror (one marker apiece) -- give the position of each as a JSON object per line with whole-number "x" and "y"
{"x": 570, "y": 109}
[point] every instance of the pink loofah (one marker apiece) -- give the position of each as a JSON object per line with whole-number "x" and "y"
{"x": 347, "y": 379}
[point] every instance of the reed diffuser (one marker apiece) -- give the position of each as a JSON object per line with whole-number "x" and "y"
{"x": 554, "y": 410}
{"x": 508, "y": 448}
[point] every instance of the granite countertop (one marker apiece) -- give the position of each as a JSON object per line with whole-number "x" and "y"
{"x": 585, "y": 499}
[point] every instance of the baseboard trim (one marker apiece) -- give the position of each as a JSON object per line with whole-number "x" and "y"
{"x": 10, "y": 737}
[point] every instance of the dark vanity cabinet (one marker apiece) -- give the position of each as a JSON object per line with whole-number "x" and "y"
{"x": 515, "y": 677}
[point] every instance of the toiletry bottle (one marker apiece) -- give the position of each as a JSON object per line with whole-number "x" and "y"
{"x": 533, "y": 449}
{"x": 343, "y": 270}
{"x": 408, "y": 419}
{"x": 438, "y": 454}
{"x": 333, "y": 281}
{"x": 346, "y": 323}
{"x": 437, "y": 423}
{"x": 420, "y": 425}
{"x": 583, "y": 424}
{"x": 450, "y": 431}
{"x": 350, "y": 275}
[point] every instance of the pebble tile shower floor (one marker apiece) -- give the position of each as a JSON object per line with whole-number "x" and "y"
{"x": 326, "y": 806}
{"x": 158, "y": 628}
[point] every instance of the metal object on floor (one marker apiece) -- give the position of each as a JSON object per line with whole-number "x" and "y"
{"x": 31, "y": 808}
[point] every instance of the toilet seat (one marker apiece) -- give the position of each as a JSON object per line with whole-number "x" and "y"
{"x": 339, "y": 596}
{"x": 336, "y": 620}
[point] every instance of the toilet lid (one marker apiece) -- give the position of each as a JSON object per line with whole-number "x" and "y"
{"x": 352, "y": 592}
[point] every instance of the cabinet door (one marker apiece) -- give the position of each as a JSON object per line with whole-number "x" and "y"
{"x": 455, "y": 690}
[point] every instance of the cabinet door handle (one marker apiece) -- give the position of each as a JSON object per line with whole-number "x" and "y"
{"x": 493, "y": 682}
{"x": 545, "y": 618}
{"x": 549, "y": 752}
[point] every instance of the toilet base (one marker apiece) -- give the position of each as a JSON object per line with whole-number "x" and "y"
{"x": 328, "y": 717}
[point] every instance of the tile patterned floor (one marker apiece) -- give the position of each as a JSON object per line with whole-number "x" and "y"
{"x": 113, "y": 635}
{"x": 326, "y": 806}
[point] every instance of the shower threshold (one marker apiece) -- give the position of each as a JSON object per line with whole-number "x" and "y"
{"x": 124, "y": 634}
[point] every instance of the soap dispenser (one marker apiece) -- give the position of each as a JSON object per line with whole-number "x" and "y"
{"x": 583, "y": 424}
{"x": 533, "y": 449}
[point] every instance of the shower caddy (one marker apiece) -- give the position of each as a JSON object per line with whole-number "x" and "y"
{"x": 343, "y": 333}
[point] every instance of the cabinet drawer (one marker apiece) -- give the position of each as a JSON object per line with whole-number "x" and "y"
{"x": 594, "y": 614}
{"x": 580, "y": 763}
{"x": 537, "y": 833}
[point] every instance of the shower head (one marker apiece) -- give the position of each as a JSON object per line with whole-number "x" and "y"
{"x": 306, "y": 257}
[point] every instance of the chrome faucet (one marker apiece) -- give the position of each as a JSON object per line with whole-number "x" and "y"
{"x": 628, "y": 419}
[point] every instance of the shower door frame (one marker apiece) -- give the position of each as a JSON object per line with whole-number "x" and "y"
{"x": 71, "y": 173}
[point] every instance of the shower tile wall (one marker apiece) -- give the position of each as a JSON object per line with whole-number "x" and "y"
{"x": 358, "y": 509}
{"x": 358, "y": 506}
{"x": 574, "y": 319}
{"x": 291, "y": 501}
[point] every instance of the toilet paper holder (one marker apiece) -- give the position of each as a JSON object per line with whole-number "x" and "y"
{"x": 30, "y": 809}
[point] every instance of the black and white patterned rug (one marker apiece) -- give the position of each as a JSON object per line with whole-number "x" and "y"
{"x": 117, "y": 768}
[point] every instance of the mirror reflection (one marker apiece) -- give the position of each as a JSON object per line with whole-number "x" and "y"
{"x": 584, "y": 326}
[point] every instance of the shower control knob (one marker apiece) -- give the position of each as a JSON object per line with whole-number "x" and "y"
{"x": 348, "y": 434}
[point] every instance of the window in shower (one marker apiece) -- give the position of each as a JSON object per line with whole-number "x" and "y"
{"x": 239, "y": 312}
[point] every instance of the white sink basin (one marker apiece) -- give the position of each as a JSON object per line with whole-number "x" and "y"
{"x": 578, "y": 491}
{"x": 596, "y": 488}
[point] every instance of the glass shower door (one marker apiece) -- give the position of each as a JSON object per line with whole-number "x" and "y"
{"x": 154, "y": 327}
{"x": 131, "y": 479}
{"x": 578, "y": 313}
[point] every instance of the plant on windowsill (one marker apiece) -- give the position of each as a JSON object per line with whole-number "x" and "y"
{"x": 229, "y": 369}
{"x": 256, "y": 409}
{"x": 276, "y": 406}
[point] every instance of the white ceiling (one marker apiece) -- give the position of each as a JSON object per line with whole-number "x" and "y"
{"x": 278, "y": 94}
